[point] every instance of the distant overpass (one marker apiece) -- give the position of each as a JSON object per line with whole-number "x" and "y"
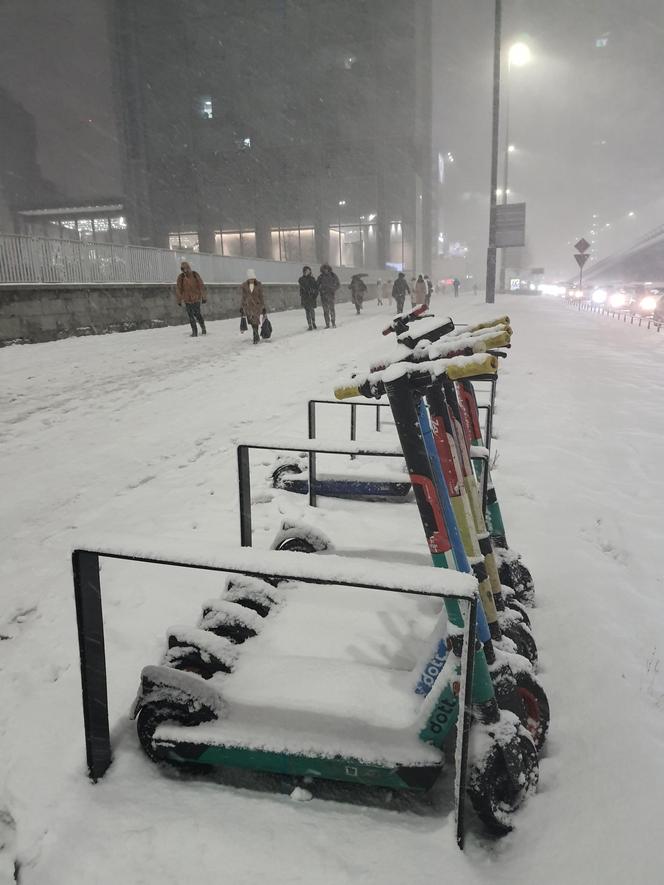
{"x": 643, "y": 261}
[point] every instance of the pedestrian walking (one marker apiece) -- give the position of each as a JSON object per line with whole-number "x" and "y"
{"x": 421, "y": 291}
{"x": 190, "y": 291}
{"x": 328, "y": 283}
{"x": 456, "y": 283}
{"x": 379, "y": 293}
{"x": 308, "y": 295}
{"x": 429, "y": 289}
{"x": 253, "y": 303}
{"x": 387, "y": 292}
{"x": 357, "y": 288}
{"x": 413, "y": 280}
{"x": 399, "y": 291}
{"x": 475, "y": 290}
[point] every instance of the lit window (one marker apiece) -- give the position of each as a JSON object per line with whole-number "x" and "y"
{"x": 206, "y": 107}
{"x": 119, "y": 222}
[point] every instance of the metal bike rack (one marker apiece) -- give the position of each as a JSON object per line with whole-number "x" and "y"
{"x": 312, "y": 448}
{"x": 92, "y": 651}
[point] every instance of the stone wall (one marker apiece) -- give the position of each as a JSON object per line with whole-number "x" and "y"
{"x": 46, "y": 313}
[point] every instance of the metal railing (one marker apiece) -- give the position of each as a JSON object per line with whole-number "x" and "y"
{"x": 42, "y": 261}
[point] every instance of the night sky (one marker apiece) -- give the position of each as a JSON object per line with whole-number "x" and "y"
{"x": 585, "y": 116}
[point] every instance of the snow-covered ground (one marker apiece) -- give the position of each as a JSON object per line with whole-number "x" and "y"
{"x": 136, "y": 434}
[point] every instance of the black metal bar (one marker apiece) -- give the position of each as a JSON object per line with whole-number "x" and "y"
{"x": 90, "y": 623}
{"x": 353, "y": 425}
{"x": 464, "y": 722}
{"x": 261, "y": 573}
{"x": 312, "y": 478}
{"x": 311, "y": 418}
{"x": 244, "y": 494}
{"x": 488, "y": 425}
{"x": 378, "y": 415}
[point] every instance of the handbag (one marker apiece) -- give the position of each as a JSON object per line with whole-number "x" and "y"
{"x": 243, "y": 323}
{"x": 266, "y": 328}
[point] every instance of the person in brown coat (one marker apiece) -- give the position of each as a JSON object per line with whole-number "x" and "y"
{"x": 190, "y": 291}
{"x": 253, "y": 303}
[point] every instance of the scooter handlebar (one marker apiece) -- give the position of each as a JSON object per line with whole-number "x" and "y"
{"x": 403, "y": 319}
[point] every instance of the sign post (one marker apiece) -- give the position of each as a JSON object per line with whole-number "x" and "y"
{"x": 581, "y": 257}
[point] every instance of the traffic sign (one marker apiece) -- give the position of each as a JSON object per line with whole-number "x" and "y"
{"x": 582, "y": 246}
{"x": 581, "y": 259}
{"x": 510, "y": 219}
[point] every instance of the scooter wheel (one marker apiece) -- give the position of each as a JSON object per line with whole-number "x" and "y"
{"x": 495, "y": 791}
{"x": 515, "y": 575}
{"x": 516, "y": 606}
{"x": 296, "y": 545}
{"x": 283, "y": 471}
{"x": 522, "y": 695}
{"x": 153, "y": 713}
{"x": 524, "y": 641}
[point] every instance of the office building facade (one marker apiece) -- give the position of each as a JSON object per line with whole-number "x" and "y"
{"x": 289, "y": 129}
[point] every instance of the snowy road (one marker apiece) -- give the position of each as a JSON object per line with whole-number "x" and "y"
{"x": 136, "y": 433}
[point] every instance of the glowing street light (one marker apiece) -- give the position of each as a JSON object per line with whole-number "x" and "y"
{"x": 511, "y": 149}
{"x": 519, "y": 55}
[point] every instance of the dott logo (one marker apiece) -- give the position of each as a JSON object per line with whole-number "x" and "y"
{"x": 441, "y": 715}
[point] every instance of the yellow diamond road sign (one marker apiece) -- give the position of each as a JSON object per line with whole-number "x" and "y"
{"x": 582, "y": 246}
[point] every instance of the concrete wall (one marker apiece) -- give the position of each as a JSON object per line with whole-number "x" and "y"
{"x": 46, "y": 313}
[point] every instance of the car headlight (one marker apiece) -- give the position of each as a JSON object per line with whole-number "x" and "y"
{"x": 599, "y": 296}
{"x": 648, "y": 303}
{"x": 618, "y": 299}
{"x": 578, "y": 293}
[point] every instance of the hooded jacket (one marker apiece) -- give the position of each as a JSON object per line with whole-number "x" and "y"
{"x": 308, "y": 289}
{"x": 190, "y": 288}
{"x": 328, "y": 283}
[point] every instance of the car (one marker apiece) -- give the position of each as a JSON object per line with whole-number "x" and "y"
{"x": 646, "y": 298}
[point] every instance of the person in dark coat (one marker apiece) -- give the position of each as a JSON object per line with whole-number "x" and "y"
{"x": 328, "y": 283}
{"x": 190, "y": 291}
{"x": 357, "y": 288}
{"x": 308, "y": 295}
{"x": 399, "y": 291}
{"x": 253, "y": 303}
{"x": 457, "y": 284}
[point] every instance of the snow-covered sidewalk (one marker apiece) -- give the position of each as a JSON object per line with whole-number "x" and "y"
{"x": 136, "y": 433}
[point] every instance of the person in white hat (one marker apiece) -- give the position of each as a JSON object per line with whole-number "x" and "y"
{"x": 253, "y": 303}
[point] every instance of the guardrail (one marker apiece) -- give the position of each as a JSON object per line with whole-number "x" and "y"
{"x": 649, "y": 322}
{"x": 44, "y": 261}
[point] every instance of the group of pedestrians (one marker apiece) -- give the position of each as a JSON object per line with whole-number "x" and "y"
{"x": 326, "y": 285}
{"x": 191, "y": 293}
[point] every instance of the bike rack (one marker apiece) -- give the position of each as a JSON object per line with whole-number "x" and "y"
{"x": 312, "y": 448}
{"x": 92, "y": 651}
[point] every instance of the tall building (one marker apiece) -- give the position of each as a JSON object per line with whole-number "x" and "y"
{"x": 284, "y": 129}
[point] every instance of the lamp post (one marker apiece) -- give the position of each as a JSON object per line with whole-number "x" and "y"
{"x": 518, "y": 55}
{"x": 490, "y": 289}
{"x": 342, "y": 203}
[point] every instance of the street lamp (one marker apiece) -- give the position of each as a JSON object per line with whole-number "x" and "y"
{"x": 518, "y": 55}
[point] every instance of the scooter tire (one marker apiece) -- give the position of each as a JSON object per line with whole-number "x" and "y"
{"x": 525, "y": 697}
{"x": 524, "y": 641}
{"x": 154, "y": 713}
{"x": 296, "y": 545}
{"x": 493, "y": 791}
{"x": 515, "y": 575}
{"x": 517, "y": 606}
